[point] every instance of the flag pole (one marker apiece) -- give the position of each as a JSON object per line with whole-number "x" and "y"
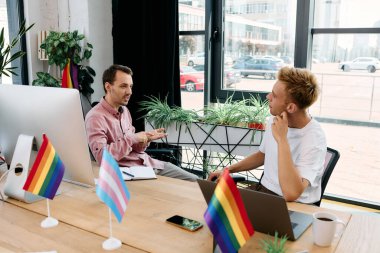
{"x": 110, "y": 221}
{"x": 111, "y": 243}
{"x": 49, "y": 221}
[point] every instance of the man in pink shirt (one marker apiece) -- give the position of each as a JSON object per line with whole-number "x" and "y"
{"x": 109, "y": 125}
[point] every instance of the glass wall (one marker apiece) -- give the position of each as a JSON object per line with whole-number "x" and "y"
{"x": 348, "y": 68}
{"x": 10, "y": 21}
{"x": 258, "y": 40}
{"x": 258, "y": 37}
{"x": 4, "y": 24}
{"x": 192, "y": 53}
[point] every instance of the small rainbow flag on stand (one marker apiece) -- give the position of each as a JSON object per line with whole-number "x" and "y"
{"x": 46, "y": 173}
{"x": 226, "y": 216}
{"x": 70, "y": 76}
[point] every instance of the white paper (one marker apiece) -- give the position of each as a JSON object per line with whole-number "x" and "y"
{"x": 138, "y": 172}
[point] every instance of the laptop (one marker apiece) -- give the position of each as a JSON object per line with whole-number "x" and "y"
{"x": 267, "y": 213}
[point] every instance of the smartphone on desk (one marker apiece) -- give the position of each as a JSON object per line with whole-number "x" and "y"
{"x": 185, "y": 223}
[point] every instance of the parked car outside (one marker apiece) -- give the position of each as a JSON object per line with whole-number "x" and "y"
{"x": 199, "y": 59}
{"x": 244, "y": 58}
{"x": 274, "y": 58}
{"x": 260, "y": 67}
{"x": 371, "y": 64}
{"x": 287, "y": 59}
{"x": 231, "y": 76}
{"x": 190, "y": 79}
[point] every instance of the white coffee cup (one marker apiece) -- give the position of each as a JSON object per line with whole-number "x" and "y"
{"x": 325, "y": 228}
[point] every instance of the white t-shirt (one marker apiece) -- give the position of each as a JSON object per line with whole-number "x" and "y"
{"x": 308, "y": 148}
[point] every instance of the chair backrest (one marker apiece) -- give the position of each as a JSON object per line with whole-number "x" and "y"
{"x": 332, "y": 157}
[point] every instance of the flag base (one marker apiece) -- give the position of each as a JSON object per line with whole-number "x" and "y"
{"x": 111, "y": 244}
{"x": 49, "y": 222}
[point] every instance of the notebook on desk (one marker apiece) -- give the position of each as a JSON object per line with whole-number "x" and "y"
{"x": 137, "y": 173}
{"x": 267, "y": 213}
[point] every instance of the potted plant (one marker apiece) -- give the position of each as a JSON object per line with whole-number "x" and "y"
{"x": 277, "y": 245}
{"x": 160, "y": 114}
{"x": 218, "y": 131}
{"x": 258, "y": 111}
{"x": 62, "y": 47}
{"x": 6, "y": 55}
{"x": 229, "y": 113}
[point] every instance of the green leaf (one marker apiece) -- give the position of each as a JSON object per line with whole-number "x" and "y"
{"x": 15, "y": 56}
{"x": 2, "y": 38}
{"x": 87, "y": 54}
{"x": 12, "y": 72}
{"x": 91, "y": 70}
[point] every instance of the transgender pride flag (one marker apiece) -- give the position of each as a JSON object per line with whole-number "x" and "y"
{"x": 111, "y": 187}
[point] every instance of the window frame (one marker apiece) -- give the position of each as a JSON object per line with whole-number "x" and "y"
{"x": 15, "y": 13}
{"x": 214, "y": 39}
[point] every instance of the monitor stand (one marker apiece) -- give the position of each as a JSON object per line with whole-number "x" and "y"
{"x": 18, "y": 171}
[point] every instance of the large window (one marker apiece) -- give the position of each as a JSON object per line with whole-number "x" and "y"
{"x": 247, "y": 41}
{"x": 10, "y": 16}
{"x": 192, "y": 53}
{"x": 345, "y": 53}
{"x": 258, "y": 40}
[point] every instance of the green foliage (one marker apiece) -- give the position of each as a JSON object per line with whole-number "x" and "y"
{"x": 160, "y": 114}
{"x": 277, "y": 245}
{"x": 228, "y": 113}
{"x": 85, "y": 79}
{"x": 61, "y": 46}
{"x": 232, "y": 113}
{"x": 45, "y": 79}
{"x": 257, "y": 110}
{"x": 6, "y": 56}
{"x": 238, "y": 113}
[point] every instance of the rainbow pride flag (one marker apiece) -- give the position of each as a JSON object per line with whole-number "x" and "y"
{"x": 111, "y": 188}
{"x": 46, "y": 173}
{"x": 70, "y": 76}
{"x": 226, "y": 216}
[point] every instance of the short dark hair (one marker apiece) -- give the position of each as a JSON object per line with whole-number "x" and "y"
{"x": 110, "y": 73}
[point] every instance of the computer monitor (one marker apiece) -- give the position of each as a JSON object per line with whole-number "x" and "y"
{"x": 57, "y": 112}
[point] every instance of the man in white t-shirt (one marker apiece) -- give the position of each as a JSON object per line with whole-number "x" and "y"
{"x": 294, "y": 147}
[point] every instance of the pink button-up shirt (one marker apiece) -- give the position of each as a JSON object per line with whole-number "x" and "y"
{"x": 107, "y": 127}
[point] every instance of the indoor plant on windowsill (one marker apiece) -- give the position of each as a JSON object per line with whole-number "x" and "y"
{"x": 221, "y": 130}
{"x": 257, "y": 113}
{"x": 6, "y": 55}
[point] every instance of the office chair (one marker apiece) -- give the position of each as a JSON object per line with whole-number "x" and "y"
{"x": 332, "y": 157}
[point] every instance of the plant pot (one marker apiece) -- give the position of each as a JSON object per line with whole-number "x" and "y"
{"x": 215, "y": 138}
{"x": 258, "y": 126}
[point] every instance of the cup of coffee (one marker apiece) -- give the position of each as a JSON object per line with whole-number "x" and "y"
{"x": 325, "y": 228}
